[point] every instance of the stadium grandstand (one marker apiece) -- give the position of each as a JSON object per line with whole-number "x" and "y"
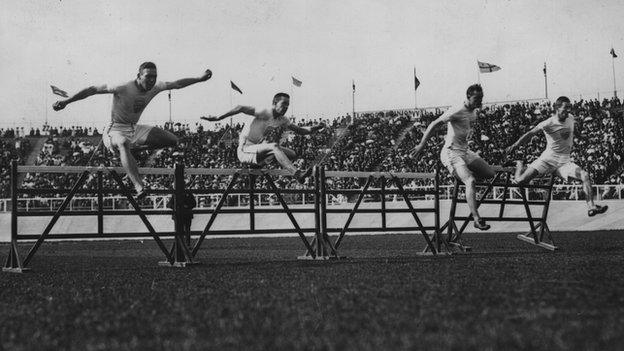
{"x": 370, "y": 141}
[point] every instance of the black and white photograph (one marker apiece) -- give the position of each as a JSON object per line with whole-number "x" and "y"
{"x": 312, "y": 175}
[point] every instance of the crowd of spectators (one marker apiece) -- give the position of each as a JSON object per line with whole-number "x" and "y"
{"x": 11, "y": 149}
{"x": 49, "y": 131}
{"x": 372, "y": 141}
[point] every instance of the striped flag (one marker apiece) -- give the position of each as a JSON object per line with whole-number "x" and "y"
{"x": 613, "y": 53}
{"x": 485, "y": 67}
{"x": 235, "y": 87}
{"x": 58, "y": 91}
{"x": 296, "y": 82}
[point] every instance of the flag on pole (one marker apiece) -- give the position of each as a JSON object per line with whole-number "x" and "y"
{"x": 353, "y": 81}
{"x": 416, "y": 81}
{"x": 296, "y": 82}
{"x": 544, "y": 68}
{"x": 613, "y": 53}
{"x": 58, "y": 91}
{"x": 235, "y": 87}
{"x": 485, "y": 67}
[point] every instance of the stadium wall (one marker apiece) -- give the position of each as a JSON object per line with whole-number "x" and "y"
{"x": 563, "y": 216}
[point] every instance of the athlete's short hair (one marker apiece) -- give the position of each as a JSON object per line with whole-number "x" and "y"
{"x": 280, "y": 96}
{"x": 147, "y": 65}
{"x": 560, "y": 101}
{"x": 474, "y": 89}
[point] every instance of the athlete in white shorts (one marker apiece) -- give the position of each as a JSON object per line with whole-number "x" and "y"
{"x": 129, "y": 101}
{"x": 455, "y": 155}
{"x": 253, "y": 150}
{"x": 559, "y": 131}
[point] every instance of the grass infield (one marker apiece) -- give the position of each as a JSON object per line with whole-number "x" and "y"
{"x": 253, "y": 294}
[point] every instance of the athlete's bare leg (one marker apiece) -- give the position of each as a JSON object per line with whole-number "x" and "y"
{"x": 465, "y": 175}
{"x": 127, "y": 161}
{"x": 282, "y": 155}
{"x": 583, "y": 176}
{"x": 528, "y": 175}
{"x": 481, "y": 169}
{"x": 159, "y": 138}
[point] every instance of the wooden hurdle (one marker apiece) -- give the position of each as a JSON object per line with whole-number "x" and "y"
{"x": 253, "y": 176}
{"x": 327, "y": 250}
{"x": 179, "y": 254}
{"x": 13, "y": 262}
{"x": 539, "y": 233}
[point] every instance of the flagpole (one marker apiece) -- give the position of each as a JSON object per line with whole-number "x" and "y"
{"x": 545, "y": 81}
{"x": 415, "y": 93}
{"x": 478, "y": 72}
{"x": 170, "y": 120}
{"x": 292, "y": 110}
{"x": 415, "y": 101}
{"x": 613, "y": 66}
{"x": 353, "y": 99}
{"x": 45, "y": 95}
{"x": 231, "y": 107}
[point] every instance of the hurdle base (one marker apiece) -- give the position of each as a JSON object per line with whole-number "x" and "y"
{"x": 321, "y": 258}
{"x": 177, "y": 264}
{"x": 15, "y": 270}
{"x": 459, "y": 246}
{"x": 531, "y": 241}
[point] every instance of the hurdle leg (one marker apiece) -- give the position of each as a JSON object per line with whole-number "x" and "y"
{"x": 544, "y": 227}
{"x": 56, "y": 216}
{"x": 321, "y": 241}
{"x": 353, "y": 212}
{"x": 13, "y": 263}
{"x": 505, "y": 189}
{"x": 290, "y": 215}
{"x": 439, "y": 239}
{"x": 213, "y": 216}
{"x": 430, "y": 245}
{"x": 453, "y": 233}
{"x": 533, "y": 237}
{"x": 179, "y": 250}
{"x": 323, "y": 235}
{"x": 141, "y": 215}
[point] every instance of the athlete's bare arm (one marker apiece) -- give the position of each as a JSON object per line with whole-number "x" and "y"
{"x": 185, "y": 82}
{"x": 432, "y": 127}
{"x": 526, "y": 136}
{"x": 83, "y": 94}
{"x": 305, "y": 130}
{"x": 248, "y": 110}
